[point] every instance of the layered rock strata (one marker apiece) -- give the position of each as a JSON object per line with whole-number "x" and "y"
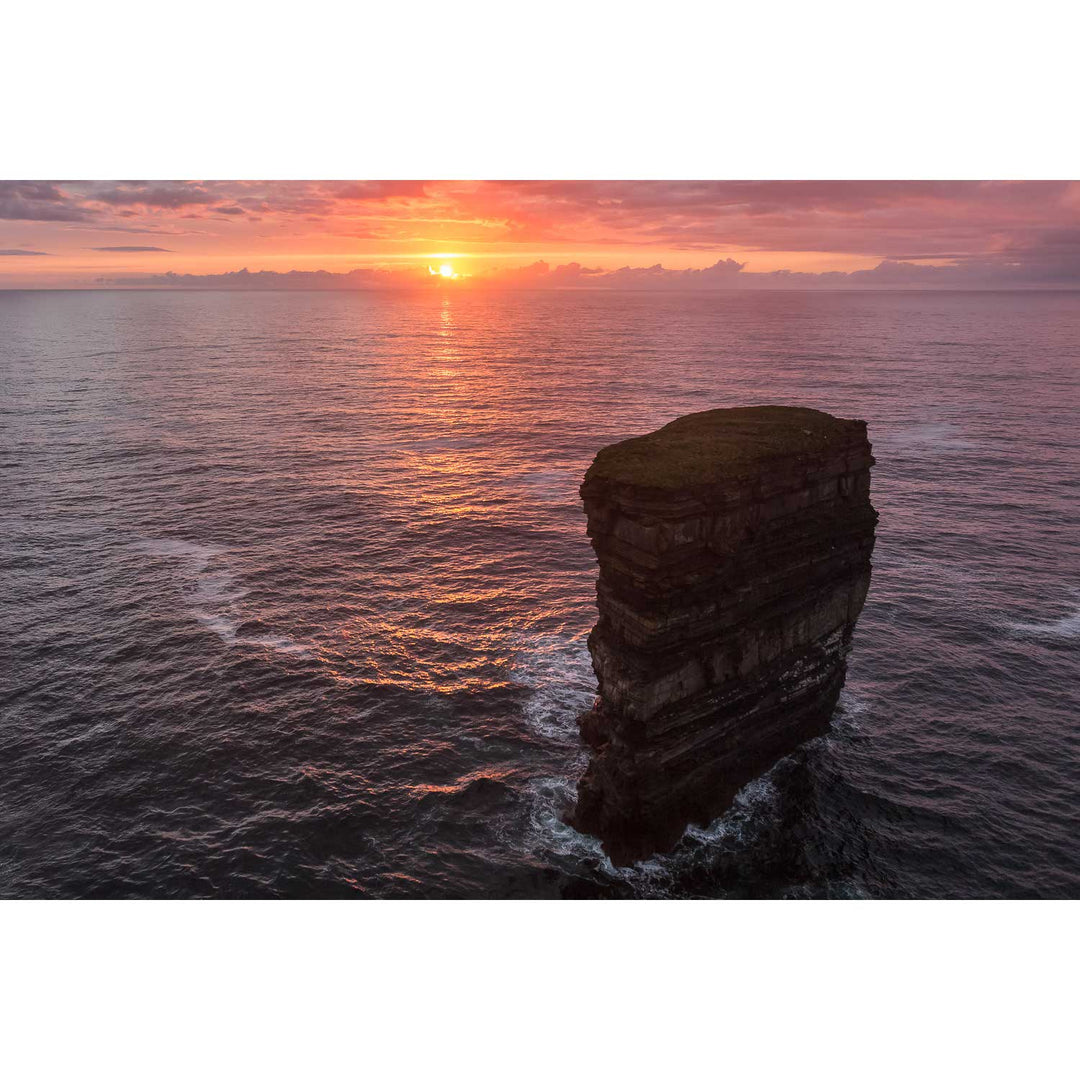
{"x": 734, "y": 549}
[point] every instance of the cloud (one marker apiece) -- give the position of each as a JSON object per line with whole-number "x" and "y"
{"x": 129, "y": 248}
{"x": 21, "y": 251}
{"x": 169, "y": 196}
{"x": 721, "y": 274}
{"x": 914, "y": 233}
{"x": 366, "y": 190}
{"x": 541, "y": 274}
{"x": 272, "y": 279}
{"x": 28, "y": 200}
{"x": 1017, "y": 271}
{"x": 882, "y": 219}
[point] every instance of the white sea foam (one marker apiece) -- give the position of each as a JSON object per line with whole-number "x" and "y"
{"x": 551, "y": 797}
{"x": 934, "y": 435}
{"x": 1067, "y": 626}
{"x": 215, "y": 593}
{"x": 198, "y": 554}
{"x": 656, "y": 877}
{"x": 754, "y": 803}
{"x": 278, "y": 644}
{"x": 558, "y": 671}
{"x": 851, "y": 709}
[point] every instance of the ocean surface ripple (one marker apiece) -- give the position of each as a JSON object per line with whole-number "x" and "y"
{"x": 296, "y": 591}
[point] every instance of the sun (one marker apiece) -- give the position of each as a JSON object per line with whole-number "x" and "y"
{"x": 445, "y": 270}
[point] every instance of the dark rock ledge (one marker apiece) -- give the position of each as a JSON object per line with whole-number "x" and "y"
{"x": 734, "y": 549}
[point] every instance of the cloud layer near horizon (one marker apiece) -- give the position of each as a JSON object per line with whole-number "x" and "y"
{"x": 545, "y": 233}
{"x": 724, "y": 274}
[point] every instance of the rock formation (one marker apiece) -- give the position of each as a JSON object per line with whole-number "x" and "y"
{"x": 734, "y": 549}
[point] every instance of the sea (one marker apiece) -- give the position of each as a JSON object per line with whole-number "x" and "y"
{"x": 295, "y": 590}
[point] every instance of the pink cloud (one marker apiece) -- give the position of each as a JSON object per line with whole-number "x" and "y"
{"x": 987, "y": 230}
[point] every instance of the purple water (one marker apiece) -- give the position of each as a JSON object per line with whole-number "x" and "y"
{"x": 296, "y": 589}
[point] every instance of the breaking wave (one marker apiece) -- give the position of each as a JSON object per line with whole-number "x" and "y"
{"x": 557, "y": 670}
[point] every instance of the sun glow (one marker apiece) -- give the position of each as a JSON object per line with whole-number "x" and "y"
{"x": 445, "y": 270}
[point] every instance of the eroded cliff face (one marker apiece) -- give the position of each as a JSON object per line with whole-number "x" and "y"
{"x": 734, "y": 549}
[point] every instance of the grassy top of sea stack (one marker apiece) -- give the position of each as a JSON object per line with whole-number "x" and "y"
{"x": 719, "y": 445}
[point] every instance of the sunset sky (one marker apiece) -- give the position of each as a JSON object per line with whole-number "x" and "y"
{"x": 598, "y": 234}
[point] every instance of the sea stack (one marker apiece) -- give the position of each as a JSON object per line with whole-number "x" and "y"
{"x": 734, "y": 549}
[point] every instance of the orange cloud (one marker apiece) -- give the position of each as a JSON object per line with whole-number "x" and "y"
{"x": 504, "y": 229}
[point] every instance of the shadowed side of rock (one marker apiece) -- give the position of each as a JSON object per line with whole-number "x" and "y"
{"x": 734, "y": 549}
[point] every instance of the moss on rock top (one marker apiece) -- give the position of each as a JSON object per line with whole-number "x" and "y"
{"x": 711, "y": 447}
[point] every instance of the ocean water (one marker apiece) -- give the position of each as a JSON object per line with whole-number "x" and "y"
{"x": 295, "y": 591}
